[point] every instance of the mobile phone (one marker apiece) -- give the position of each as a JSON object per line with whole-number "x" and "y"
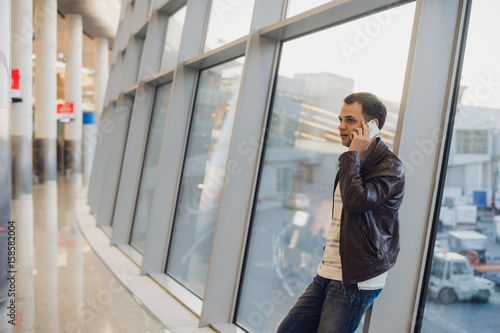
{"x": 373, "y": 128}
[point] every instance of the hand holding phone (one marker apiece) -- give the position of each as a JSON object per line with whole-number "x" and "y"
{"x": 372, "y": 128}
{"x": 359, "y": 138}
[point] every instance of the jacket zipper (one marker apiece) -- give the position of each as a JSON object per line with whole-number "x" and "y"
{"x": 340, "y": 247}
{"x": 371, "y": 245}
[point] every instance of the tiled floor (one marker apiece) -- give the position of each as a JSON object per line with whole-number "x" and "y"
{"x": 63, "y": 286}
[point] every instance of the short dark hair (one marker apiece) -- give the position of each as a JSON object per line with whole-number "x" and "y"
{"x": 372, "y": 106}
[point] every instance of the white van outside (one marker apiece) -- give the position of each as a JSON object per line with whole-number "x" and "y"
{"x": 452, "y": 279}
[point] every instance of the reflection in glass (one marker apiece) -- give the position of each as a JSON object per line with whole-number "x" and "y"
{"x": 203, "y": 174}
{"x": 296, "y": 7}
{"x": 148, "y": 176}
{"x": 294, "y": 198}
{"x": 23, "y": 215}
{"x": 463, "y": 290}
{"x": 46, "y": 261}
{"x": 173, "y": 39}
{"x": 236, "y": 14}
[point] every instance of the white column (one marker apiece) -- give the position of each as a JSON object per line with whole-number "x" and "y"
{"x": 101, "y": 74}
{"x": 45, "y": 151}
{"x": 22, "y": 112}
{"x": 73, "y": 93}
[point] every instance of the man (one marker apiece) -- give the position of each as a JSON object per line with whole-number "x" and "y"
{"x": 363, "y": 239}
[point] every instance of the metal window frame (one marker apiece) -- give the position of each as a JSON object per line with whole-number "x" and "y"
{"x": 100, "y": 159}
{"x": 171, "y": 157}
{"x": 132, "y": 62}
{"x": 440, "y": 177}
{"x": 98, "y": 166}
{"x": 152, "y": 31}
{"x": 168, "y": 10}
{"x": 114, "y": 166}
{"x": 225, "y": 269}
{"x": 132, "y": 164}
{"x": 132, "y": 176}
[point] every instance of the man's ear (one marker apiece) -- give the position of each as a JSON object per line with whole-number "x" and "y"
{"x": 375, "y": 120}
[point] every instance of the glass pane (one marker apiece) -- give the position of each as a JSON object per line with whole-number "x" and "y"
{"x": 236, "y": 14}
{"x": 463, "y": 291}
{"x": 203, "y": 174}
{"x": 173, "y": 39}
{"x": 149, "y": 168}
{"x": 294, "y": 200}
{"x": 117, "y": 148}
{"x": 296, "y": 7}
{"x": 138, "y": 49}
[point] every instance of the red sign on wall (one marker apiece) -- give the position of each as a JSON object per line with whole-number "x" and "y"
{"x": 15, "y": 87}
{"x": 15, "y": 79}
{"x": 65, "y": 111}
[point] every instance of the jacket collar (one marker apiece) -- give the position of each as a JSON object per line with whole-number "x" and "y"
{"x": 376, "y": 155}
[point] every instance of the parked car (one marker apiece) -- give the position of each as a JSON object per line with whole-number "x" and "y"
{"x": 297, "y": 201}
{"x": 452, "y": 279}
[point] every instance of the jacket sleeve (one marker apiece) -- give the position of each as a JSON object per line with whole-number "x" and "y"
{"x": 363, "y": 194}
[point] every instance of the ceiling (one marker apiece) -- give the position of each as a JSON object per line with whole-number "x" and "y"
{"x": 100, "y": 19}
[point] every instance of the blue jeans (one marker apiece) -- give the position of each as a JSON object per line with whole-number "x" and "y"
{"x": 325, "y": 308}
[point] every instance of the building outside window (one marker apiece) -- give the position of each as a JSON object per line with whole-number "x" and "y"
{"x": 173, "y": 38}
{"x": 236, "y": 14}
{"x": 472, "y": 141}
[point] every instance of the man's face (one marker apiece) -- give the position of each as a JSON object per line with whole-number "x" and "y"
{"x": 350, "y": 118}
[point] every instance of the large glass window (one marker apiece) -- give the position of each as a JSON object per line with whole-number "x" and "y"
{"x": 149, "y": 168}
{"x": 203, "y": 174}
{"x": 173, "y": 38}
{"x": 294, "y": 199}
{"x": 463, "y": 287}
{"x": 229, "y": 20}
{"x": 136, "y": 50}
{"x": 114, "y": 164}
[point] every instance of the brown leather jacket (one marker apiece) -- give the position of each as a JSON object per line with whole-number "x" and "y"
{"x": 372, "y": 193}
